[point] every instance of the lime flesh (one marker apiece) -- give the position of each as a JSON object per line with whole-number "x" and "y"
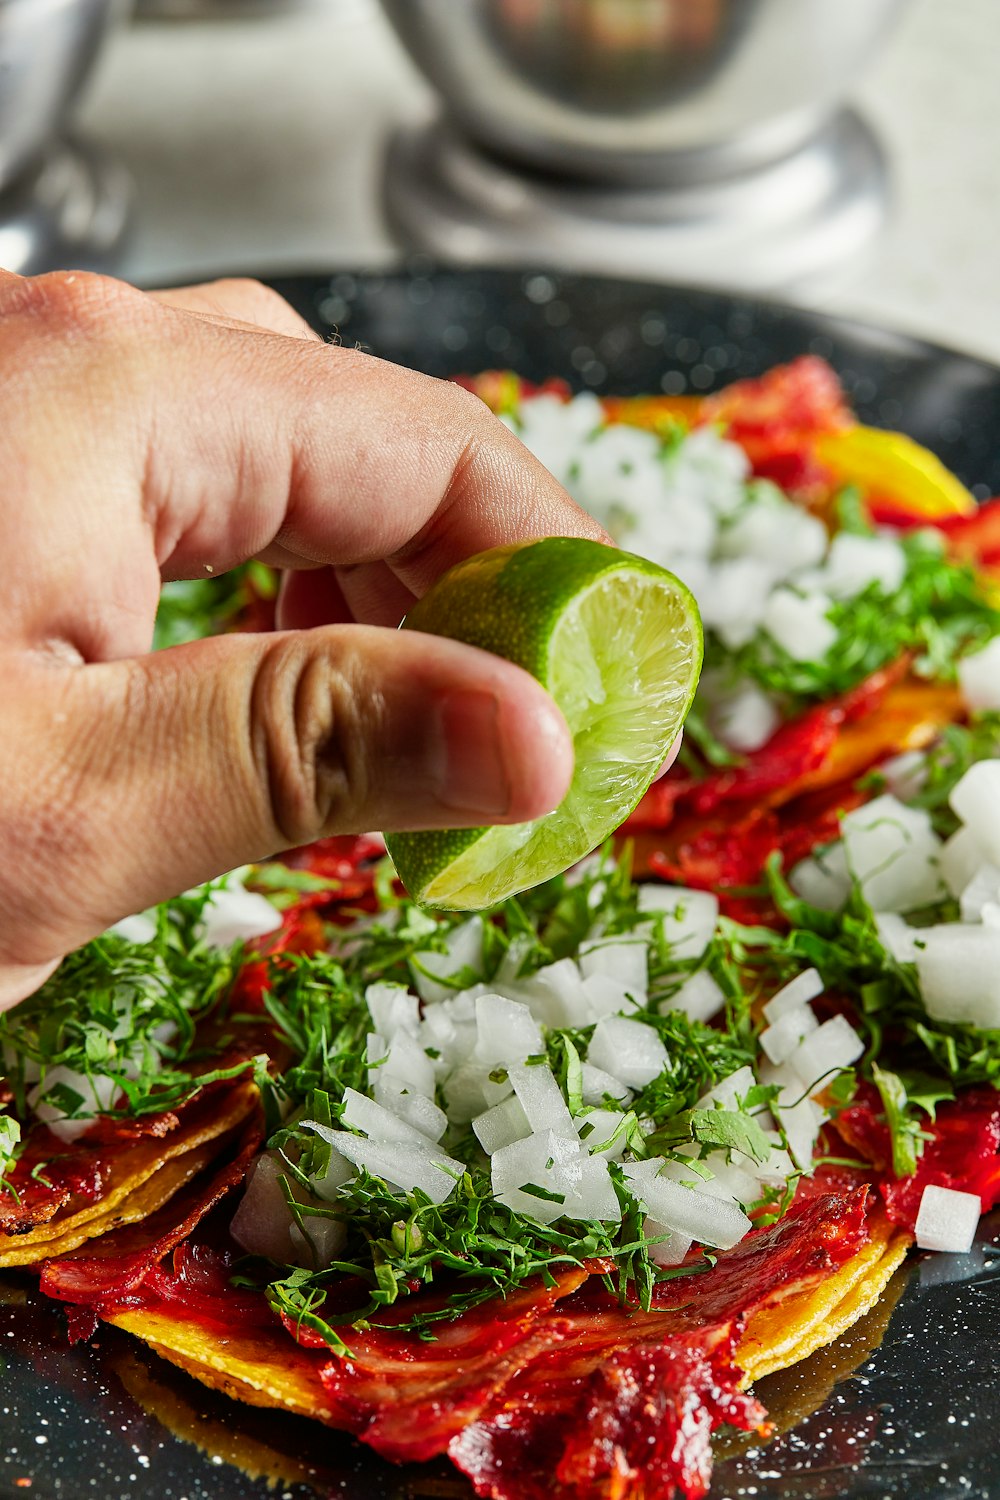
{"x": 617, "y": 641}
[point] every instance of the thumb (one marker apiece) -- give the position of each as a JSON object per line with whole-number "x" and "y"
{"x": 165, "y": 770}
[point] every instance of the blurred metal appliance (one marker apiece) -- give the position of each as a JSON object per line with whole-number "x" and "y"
{"x": 62, "y": 202}
{"x": 684, "y": 139}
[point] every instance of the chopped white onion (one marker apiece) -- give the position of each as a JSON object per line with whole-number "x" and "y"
{"x": 446, "y": 1030}
{"x": 402, "y": 1164}
{"x": 905, "y": 775}
{"x": 777, "y": 532}
{"x": 979, "y": 678}
{"x": 545, "y": 1161}
{"x": 798, "y": 991}
{"x": 699, "y": 997}
{"x": 406, "y": 1060}
{"x": 597, "y": 1085}
{"x": 897, "y": 937}
{"x": 961, "y": 856}
{"x": 465, "y": 1093}
{"x": 608, "y": 997}
{"x": 233, "y": 915}
{"x": 727, "y": 1181}
{"x": 416, "y": 1109}
{"x": 689, "y": 917}
{"x": 982, "y": 889}
{"x": 392, "y": 1008}
{"x": 464, "y": 951}
{"x": 893, "y": 853}
{"x": 507, "y": 1031}
{"x": 319, "y": 1241}
{"x": 832, "y": 1046}
{"x": 136, "y": 929}
{"x": 555, "y": 995}
{"x": 593, "y": 1194}
{"x": 823, "y": 879}
{"x": 779, "y": 1166}
{"x": 601, "y": 1132}
{"x": 746, "y": 718}
{"x": 801, "y": 1120}
{"x": 854, "y": 563}
{"x": 732, "y": 603}
{"x": 958, "y": 970}
{"x": 618, "y": 958}
{"x": 502, "y": 1125}
{"x": 96, "y": 1091}
{"x": 947, "y": 1219}
{"x": 509, "y": 968}
{"x": 362, "y": 1113}
{"x": 727, "y": 1093}
{"x": 976, "y": 800}
{"x": 781, "y": 1039}
{"x": 339, "y": 1172}
{"x": 710, "y": 1221}
{"x": 629, "y": 1050}
{"x": 667, "y": 1247}
{"x": 799, "y": 624}
{"x": 542, "y": 1099}
{"x": 262, "y": 1222}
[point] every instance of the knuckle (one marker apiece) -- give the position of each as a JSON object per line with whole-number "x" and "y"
{"x": 467, "y": 410}
{"x": 485, "y": 447}
{"x": 255, "y": 302}
{"x": 70, "y": 300}
{"x": 311, "y": 730}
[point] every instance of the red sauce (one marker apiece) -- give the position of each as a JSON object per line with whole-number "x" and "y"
{"x": 963, "y": 1152}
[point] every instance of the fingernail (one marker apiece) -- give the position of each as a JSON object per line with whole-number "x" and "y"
{"x": 672, "y": 755}
{"x": 472, "y": 774}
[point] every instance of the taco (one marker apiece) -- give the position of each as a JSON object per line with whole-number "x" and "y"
{"x": 547, "y": 1192}
{"x": 127, "y": 1074}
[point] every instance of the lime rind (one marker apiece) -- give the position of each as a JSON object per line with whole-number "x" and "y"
{"x": 618, "y": 642}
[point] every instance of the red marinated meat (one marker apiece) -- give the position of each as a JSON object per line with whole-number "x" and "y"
{"x": 111, "y": 1268}
{"x": 556, "y": 1388}
{"x": 963, "y": 1152}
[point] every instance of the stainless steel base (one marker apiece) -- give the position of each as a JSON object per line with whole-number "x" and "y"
{"x": 781, "y": 226}
{"x": 233, "y": 10}
{"x": 72, "y": 211}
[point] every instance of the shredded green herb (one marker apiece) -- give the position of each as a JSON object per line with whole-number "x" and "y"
{"x": 939, "y": 612}
{"x": 122, "y": 1011}
{"x": 931, "y": 1059}
{"x": 472, "y": 1244}
{"x": 190, "y": 609}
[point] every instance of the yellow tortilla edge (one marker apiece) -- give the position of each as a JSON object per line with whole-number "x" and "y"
{"x": 256, "y": 1368}
{"x": 252, "y": 1368}
{"x": 795, "y": 1325}
{"x": 151, "y": 1194}
{"x": 57, "y": 1235}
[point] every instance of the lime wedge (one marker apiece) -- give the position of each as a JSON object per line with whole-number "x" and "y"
{"x": 617, "y": 641}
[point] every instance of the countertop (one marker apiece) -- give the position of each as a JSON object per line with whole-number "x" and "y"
{"x": 257, "y": 145}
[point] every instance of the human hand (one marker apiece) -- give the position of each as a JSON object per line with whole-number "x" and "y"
{"x": 175, "y": 435}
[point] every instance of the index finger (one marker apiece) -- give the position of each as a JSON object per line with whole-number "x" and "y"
{"x": 246, "y": 443}
{"x": 384, "y": 464}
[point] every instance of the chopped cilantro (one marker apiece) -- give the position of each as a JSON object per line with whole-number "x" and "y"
{"x": 939, "y": 613}
{"x": 125, "y": 1011}
{"x": 192, "y": 608}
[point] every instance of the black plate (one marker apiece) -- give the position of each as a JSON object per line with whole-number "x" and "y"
{"x": 908, "y": 1404}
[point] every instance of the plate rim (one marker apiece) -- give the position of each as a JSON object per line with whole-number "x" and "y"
{"x": 913, "y": 343}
